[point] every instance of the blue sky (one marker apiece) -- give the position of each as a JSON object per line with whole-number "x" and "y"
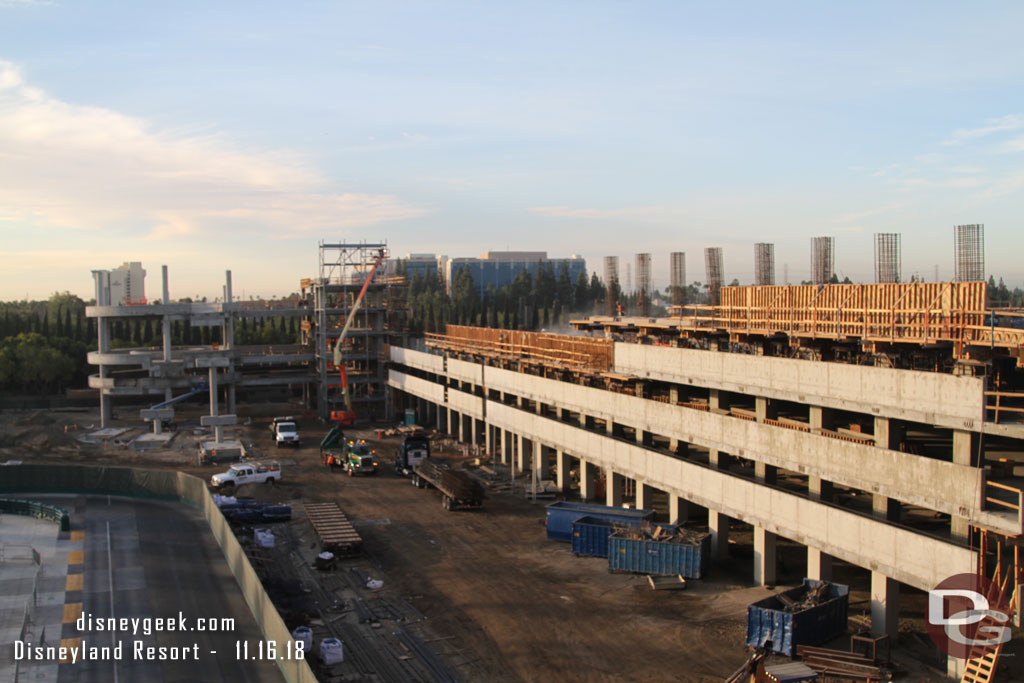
{"x": 213, "y": 136}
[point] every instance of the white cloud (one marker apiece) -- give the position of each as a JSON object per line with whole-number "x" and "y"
{"x": 997, "y": 125}
{"x": 1014, "y": 145}
{"x": 25, "y": 3}
{"x": 858, "y": 215}
{"x": 596, "y": 214}
{"x": 77, "y": 166}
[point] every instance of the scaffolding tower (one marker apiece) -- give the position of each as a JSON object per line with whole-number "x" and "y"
{"x": 344, "y": 268}
{"x": 677, "y": 277}
{"x": 823, "y": 250}
{"x": 611, "y": 283}
{"x": 764, "y": 263}
{"x": 970, "y": 253}
{"x": 887, "y": 257}
{"x": 643, "y": 285}
{"x": 713, "y": 273}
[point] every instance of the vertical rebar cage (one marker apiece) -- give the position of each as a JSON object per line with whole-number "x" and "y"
{"x": 611, "y": 283}
{"x": 643, "y": 284}
{"x": 764, "y": 263}
{"x": 713, "y": 271}
{"x": 822, "y": 259}
{"x": 970, "y": 253}
{"x": 677, "y": 277}
{"x": 888, "y": 267}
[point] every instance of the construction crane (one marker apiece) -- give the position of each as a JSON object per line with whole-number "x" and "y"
{"x": 347, "y": 417}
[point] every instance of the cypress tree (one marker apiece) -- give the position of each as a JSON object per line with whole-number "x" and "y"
{"x": 60, "y": 323}
{"x": 67, "y": 321}
{"x": 78, "y": 327}
{"x": 46, "y": 325}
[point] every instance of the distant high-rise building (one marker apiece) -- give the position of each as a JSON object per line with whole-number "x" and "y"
{"x": 499, "y": 268}
{"x": 124, "y": 285}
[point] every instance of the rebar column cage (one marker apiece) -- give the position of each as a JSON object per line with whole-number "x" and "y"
{"x": 643, "y": 285}
{"x": 970, "y": 253}
{"x": 764, "y": 263}
{"x": 887, "y": 257}
{"x": 713, "y": 274}
{"x": 822, "y": 259}
{"x": 677, "y": 277}
{"x": 611, "y": 283}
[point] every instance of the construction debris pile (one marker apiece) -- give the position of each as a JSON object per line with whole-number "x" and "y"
{"x": 663, "y": 533}
{"x": 814, "y": 597}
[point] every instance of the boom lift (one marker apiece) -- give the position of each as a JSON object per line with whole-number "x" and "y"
{"x": 346, "y": 417}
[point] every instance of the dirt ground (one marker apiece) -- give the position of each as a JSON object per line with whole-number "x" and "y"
{"x": 502, "y": 602}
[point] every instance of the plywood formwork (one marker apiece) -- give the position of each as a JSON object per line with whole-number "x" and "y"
{"x": 557, "y": 350}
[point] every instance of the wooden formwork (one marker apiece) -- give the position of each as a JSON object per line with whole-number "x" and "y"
{"x": 560, "y": 350}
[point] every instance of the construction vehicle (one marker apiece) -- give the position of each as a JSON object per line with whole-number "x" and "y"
{"x": 247, "y": 473}
{"x": 413, "y": 450}
{"x": 458, "y": 490}
{"x": 333, "y": 448}
{"x": 361, "y": 459}
{"x": 346, "y": 417}
{"x": 285, "y": 431}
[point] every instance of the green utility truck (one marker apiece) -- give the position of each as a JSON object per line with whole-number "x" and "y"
{"x": 361, "y": 459}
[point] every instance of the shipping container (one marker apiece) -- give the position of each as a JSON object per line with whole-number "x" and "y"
{"x": 590, "y": 534}
{"x": 661, "y": 558}
{"x": 771, "y": 626}
{"x": 562, "y": 514}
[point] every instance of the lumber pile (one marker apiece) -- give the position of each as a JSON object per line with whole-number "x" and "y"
{"x": 842, "y": 665}
{"x": 336, "y": 533}
{"x": 814, "y": 597}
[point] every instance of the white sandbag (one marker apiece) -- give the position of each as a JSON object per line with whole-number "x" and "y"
{"x": 374, "y": 584}
{"x": 263, "y": 538}
{"x": 331, "y": 651}
{"x": 303, "y": 635}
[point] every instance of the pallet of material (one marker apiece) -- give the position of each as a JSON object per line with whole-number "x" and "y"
{"x": 667, "y": 583}
{"x": 335, "y": 531}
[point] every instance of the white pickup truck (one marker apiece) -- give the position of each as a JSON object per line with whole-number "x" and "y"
{"x": 247, "y": 473}
{"x": 285, "y": 431}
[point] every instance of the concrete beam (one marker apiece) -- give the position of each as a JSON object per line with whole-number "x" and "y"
{"x": 218, "y": 420}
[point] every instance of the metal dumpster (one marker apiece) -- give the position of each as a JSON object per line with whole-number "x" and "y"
{"x": 661, "y": 558}
{"x": 590, "y": 535}
{"x": 768, "y": 621}
{"x": 562, "y": 514}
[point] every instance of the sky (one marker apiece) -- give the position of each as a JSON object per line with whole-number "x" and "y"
{"x": 238, "y": 135}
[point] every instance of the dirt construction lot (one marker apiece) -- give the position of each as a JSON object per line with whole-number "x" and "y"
{"x": 502, "y": 603}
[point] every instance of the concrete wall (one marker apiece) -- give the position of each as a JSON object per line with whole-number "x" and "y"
{"x": 926, "y": 397}
{"x": 418, "y": 359}
{"x": 417, "y": 387}
{"x": 465, "y": 372}
{"x": 904, "y": 555}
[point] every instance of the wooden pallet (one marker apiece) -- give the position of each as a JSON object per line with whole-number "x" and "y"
{"x": 336, "y": 533}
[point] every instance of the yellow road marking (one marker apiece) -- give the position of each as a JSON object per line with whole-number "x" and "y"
{"x": 68, "y": 643}
{"x": 72, "y": 611}
{"x": 76, "y": 557}
{"x": 77, "y": 536}
{"x": 74, "y": 582}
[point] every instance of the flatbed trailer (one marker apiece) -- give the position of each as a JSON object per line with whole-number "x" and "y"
{"x": 458, "y": 490}
{"x": 337, "y": 535}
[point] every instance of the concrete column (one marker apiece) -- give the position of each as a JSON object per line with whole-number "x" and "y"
{"x": 639, "y": 436}
{"x": 438, "y": 413}
{"x": 588, "y": 476}
{"x": 885, "y": 604}
{"x": 613, "y": 488}
{"x": 765, "y": 472}
{"x": 562, "y": 466}
{"x": 229, "y": 320}
{"x": 488, "y": 441}
{"x": 819, "y": 565}
{"x": 820, "y": 418}
{"x": 718, "y": 459}
{"x": 888, "y": 434}
{"x": 540, "y": 461}
{"x": 719, "y": 525}
{"x": 449, "y": 424}
{"x": 765, "y": 557}
{"x": 719, "y": 400}
{"x": 168, "y": 393}
{"x": 765, "y": 409}
{"x": 474, "y": 431}
{"x": 644, "y": 496}
{"x": 214, "y": 407}
{"x": 521, "y": 454}
{"x": 965, "y": 447}
{"x": 819, "y": 489}
{"x": 678, "y": 509}
{"x": 231, "y": 399}
{"x": 460, "y": 420}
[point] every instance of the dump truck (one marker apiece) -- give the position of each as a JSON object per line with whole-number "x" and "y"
{"x": 413, "y": 450}
{"x": 361, "y": 459}
{"x": 458, "y": 490}
{"x": 247, "y": 473}
{"x": 334, "y": 448}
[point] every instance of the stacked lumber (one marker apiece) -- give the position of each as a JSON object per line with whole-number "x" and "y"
{"x": 646, "y": 531}
{"x": 336, "y": 533}
{"x": 814, "y": 597}
{"x": 454, "y": 483}
{"x": 841, "y": 664}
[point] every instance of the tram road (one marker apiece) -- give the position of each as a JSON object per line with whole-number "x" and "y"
{"x": 166, "y": 570}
